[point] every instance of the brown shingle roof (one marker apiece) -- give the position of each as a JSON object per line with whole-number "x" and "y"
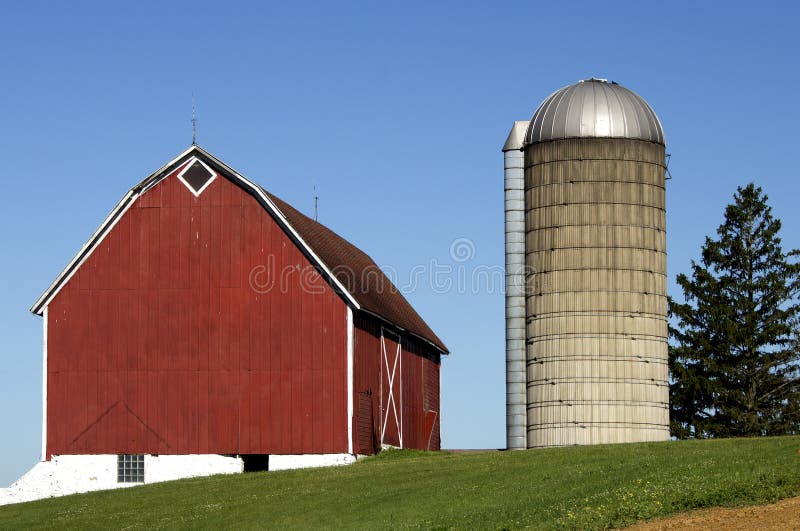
{"x": 358, "y": 273}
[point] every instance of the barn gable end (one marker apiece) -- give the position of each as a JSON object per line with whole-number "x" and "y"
{"x": 199, "y": 317}
{"x": 179, "y": 162}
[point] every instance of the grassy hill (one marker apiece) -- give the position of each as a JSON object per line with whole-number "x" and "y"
{"x": 597, "y": 487}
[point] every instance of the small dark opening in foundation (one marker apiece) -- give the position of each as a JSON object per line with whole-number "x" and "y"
{"x": 256, "y": 462}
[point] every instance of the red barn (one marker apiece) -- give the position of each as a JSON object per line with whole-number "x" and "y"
{"x": 206, "y": 317}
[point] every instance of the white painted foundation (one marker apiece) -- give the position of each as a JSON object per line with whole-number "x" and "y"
{"x": 73, "y": 474}
{"x": 289, "y": 462}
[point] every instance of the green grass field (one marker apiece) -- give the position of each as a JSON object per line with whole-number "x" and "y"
{"x": 582, "y": 487}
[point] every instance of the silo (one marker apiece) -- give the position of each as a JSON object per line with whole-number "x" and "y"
{"x": 595, "y": 259}
{"x": 516, "y": 372}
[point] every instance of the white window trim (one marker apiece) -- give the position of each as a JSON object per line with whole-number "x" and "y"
{"x": 186, "y": 183}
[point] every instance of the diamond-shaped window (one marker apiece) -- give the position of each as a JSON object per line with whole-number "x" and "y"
{"x": 197, "y": 176}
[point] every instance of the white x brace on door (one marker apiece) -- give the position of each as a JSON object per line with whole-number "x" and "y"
{"x": 392, "y": 392}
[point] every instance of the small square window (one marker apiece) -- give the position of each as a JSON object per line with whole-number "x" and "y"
{"x": 130, "y": 468}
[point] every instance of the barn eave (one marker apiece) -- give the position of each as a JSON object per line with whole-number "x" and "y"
{"x": 398, "y": 328}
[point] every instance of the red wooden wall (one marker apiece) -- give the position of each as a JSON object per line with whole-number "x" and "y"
{"x": 159, "y": 344}
{"x": 417, "y": 375}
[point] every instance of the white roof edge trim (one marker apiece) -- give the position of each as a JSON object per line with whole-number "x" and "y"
{"x": 258, "y": 190}
{"x": 163, "y": 168}
{"x": 84, "y": 253}
{"x": 130, "y": 198}
{"x": 94, "y": 240}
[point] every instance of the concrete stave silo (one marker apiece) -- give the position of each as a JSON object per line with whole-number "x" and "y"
{"x": 595, "y": 269}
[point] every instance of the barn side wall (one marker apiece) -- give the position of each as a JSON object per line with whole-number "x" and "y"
{"x": 197, "y": 326}
{"x": 396, "y": 398}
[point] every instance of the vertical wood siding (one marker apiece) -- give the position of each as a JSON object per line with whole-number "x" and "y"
{"x": 419, "y": 385}
{"x": 159, "y": 343}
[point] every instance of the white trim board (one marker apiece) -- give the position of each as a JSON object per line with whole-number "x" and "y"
{"x": 350, "y": 337}
{"x": 44, "y": 384}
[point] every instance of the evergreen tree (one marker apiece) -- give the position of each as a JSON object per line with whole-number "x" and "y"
{"x": 734, "y": 362}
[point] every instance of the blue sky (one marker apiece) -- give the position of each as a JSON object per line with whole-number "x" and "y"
{"x": 396, "y": 113}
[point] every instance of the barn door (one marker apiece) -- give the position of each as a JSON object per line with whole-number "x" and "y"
{"x": 430, "y": 429}
{"x": 391, "y": 389}
{"x": 364, "y": 428}
{"x": 430, "y": 402}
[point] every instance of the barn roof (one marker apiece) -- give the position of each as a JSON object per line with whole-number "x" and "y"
{"x": 359, "y": 274}
{"x": 351, "y": 271}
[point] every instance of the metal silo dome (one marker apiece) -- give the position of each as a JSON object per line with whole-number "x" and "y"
{"x": 594, "y": 108}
